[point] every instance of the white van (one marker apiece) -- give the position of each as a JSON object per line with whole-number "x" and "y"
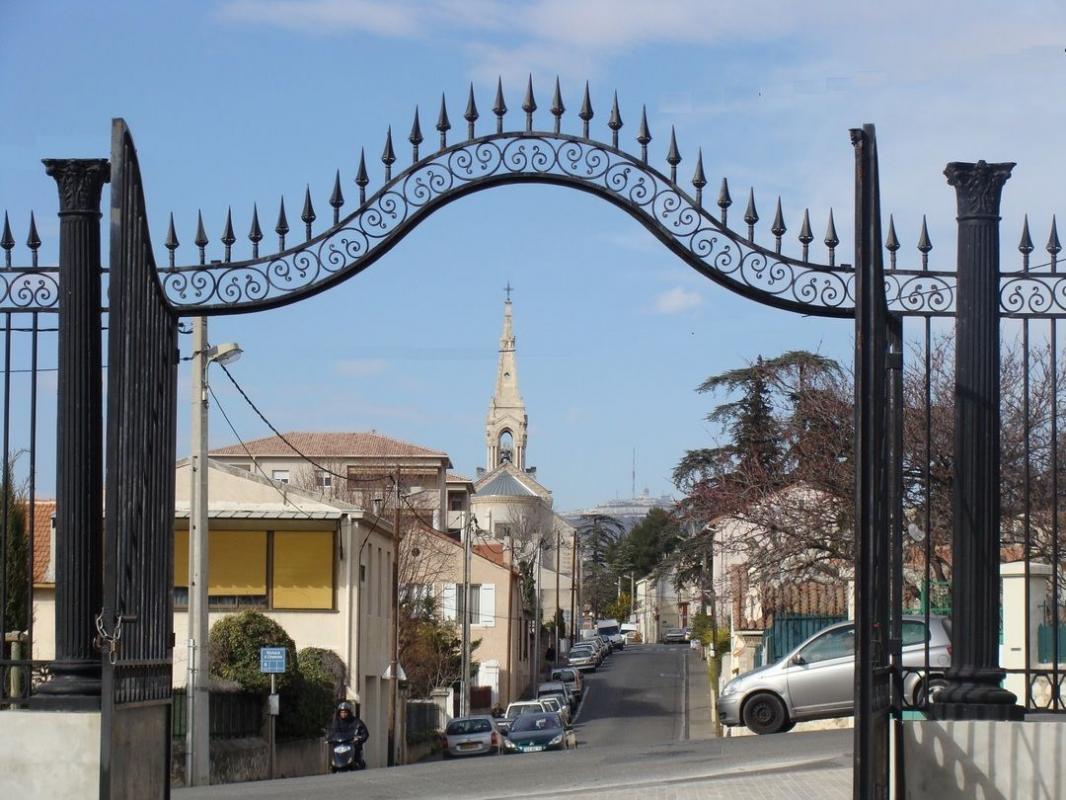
{"x": 612, "y": 631}
{"x": 630, "y": 632}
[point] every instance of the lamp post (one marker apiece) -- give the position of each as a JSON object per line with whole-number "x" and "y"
{"x": 468, "y": 535}
{"x": 197, "y": 691}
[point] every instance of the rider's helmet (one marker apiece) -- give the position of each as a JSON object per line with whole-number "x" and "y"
{"x": 346, "y": 706}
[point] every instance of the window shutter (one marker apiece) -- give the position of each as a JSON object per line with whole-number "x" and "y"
{"x": 488, "y": 605}
{"x": 448, "y": 601}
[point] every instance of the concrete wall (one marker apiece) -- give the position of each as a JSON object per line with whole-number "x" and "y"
{"x": 29, "y": 769}
{"x": 984, "y": 760}
{"x": 240, "y": 760}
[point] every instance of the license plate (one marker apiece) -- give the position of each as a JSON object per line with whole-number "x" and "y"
{"x": 533, "y": 748}
{"x": 469, "y": 746}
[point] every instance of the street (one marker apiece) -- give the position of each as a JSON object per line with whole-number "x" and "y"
{"x": 632, "y": 731}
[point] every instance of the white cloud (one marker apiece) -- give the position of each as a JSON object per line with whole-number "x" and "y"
{"x": 361, "y": 367}
{"x": 677, "y": 301}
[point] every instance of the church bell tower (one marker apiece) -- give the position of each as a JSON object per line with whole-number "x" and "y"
{"x": 506, "y": 423}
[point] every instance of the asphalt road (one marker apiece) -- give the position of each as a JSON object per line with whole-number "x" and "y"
{"x": 633, "y": 742}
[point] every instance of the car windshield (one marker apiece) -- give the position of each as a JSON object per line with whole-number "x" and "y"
{"x": 458, "y": 727}
{"x": 564, "y": 675}
{"x": 525, "y": 708}
{"x": 537, "y": 722}
{"x": 608, "y": 630}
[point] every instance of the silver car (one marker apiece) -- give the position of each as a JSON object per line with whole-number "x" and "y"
{"x": 471, "y": 736}
{"x": 817, "y": 679}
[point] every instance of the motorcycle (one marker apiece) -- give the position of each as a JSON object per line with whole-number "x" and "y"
{"x": 345, "y": 755}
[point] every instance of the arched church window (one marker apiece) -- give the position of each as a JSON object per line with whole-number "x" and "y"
{"x": 506, "y": 447}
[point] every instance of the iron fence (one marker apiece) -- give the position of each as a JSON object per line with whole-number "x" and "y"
{"x": 234, "y": 715}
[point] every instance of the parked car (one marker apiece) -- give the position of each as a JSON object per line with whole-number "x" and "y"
{"x": 595, "y": 646}
{"x": 612, "y": 631}
{"x": 557, "y": 688}
{"x": 557, "y": 703}
{"x": 471, "y": 736}
{"x": 673, "y": 636}
{"x": 574, "y": 680}
{"x": 817, "y": 679}
{"x": 583, "y": 658}
{"x": 532, "y": 733}
{"x": 517, "y": 709}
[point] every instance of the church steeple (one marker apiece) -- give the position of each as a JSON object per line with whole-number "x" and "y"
{"x": 505, "y": 426}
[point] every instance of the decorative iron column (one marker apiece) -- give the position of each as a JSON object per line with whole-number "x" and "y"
{"x": 974, "y": 691}
{"x": 75, "y": 681}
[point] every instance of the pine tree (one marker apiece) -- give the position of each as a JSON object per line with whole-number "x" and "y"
{"x": 16, "y": 564}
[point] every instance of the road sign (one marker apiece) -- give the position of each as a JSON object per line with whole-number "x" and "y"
{"x": 272, "y": 660}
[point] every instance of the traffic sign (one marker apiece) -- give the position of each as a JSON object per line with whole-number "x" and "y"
{"x": 272, "y": 660}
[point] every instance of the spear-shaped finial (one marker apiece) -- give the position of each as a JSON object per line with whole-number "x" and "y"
{"x": 751, "y": 216}
{"x": 336, "y": 197}
{"x": 171, "y": 244}
{"x": 1053, "y": 245}
{"x": 831, "y": 239}
{"x": 415, "y": 136}
{"x": 891, "y": 242}
{"x": 724, "y": 200}
{"x": 1025, "y": 246}
{"x": 699, "y": 180}
{"x": 443, "y": 123}
{"x": 673, "y": 155}
{"x": 255, "y": 233}
{"x": 558, "y": 109}
{"x": 7, "y": 241}
{"x": 33, "y": 240}
{"x": 529, "y": 105}
{"x": 308, "y": 214}
{"x": 805, "y": 235}
{"x": 499, "y": 108}
{"x": 201, "y": 237}
{"x": 643, "y": 134}
{"x": 586, "y": 112}
{"x": 471, "y": 113}
{"x": 777, "y": 227}
{"x": 227, "y": 235}
{"x": 361, "y": 178}
{"x": 615, "y": 121}
{"x": 282, "y": 227}
{"x": 388, "y": 155}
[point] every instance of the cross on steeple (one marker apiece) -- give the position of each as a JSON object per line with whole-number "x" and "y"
{"x": 508, "y": 289}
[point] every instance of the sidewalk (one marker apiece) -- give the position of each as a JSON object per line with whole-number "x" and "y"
{"x": 698, "y": 698}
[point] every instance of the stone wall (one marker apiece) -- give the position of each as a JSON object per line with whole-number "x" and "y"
{"x": 240, "y": 760}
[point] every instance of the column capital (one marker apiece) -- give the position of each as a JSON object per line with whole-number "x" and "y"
{"x": 978, "y": 187}
{"x": 80, "y": 181}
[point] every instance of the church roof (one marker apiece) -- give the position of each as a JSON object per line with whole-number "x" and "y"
{"x": 505, "y": 484}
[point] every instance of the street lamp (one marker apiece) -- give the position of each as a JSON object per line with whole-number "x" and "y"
{"x": 197, "y": 689}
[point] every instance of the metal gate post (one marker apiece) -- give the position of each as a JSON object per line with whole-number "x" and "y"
{"x": 75, "y": 681}
{"x": 974, "y": 691}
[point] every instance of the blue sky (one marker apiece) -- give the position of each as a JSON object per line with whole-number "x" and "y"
{"x": 232, "y": 102}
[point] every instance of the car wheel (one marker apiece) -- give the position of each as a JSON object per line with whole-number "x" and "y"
{"x": 787, "y": 726}
{"x": 765, "y": 713}
{"x": 936, "y": 686}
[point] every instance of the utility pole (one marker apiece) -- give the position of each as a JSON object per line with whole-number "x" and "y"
{"x": 558, "y": 601}
{"x": 573, "y": 588}
{"x": 469, "y": 528}
{"x": 394, "y": 685}
{"x": 197, "y": 697}
{"x": 538, "y": 658}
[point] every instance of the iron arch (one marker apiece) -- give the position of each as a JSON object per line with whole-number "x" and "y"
{"x": 668, "y": 212}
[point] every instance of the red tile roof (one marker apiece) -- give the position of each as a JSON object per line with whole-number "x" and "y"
{"x": 318, "y": 444}
{"x": 492, "y": 552}
{"x": 42, "y": 537}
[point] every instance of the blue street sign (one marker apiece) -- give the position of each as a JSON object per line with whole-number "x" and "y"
{"x": 272, "y": 659}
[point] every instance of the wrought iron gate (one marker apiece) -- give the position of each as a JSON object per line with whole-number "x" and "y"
{"x": 114, "y": 625}
{"x": 135, "y": 624}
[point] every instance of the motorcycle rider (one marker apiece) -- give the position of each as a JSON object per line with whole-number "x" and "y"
{"x": 346, "y": 726}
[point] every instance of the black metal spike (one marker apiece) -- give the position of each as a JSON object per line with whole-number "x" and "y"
{"x": 558, "y": 109}
{"x": 673, "y": 156}
{"x": 643, "y": 134}
{"x": 255, "y": 233}
{"x": 805, "y": 235}
{"x": 499, "y": 108}
{"x": 308, "y": 214}
{"x": 443, "y": 123}
{"x": 891, "y": 242}
{"x": 751, "y": 216}
{"x": 171, "y": 244}
{"x": 699, "y": 180}
{"x": 201, "y": 237}
{"x": 1025, "y": 246}
{"x": 471, "y": 113}
{"x": 415, "y": 137}
{"x": 33, "y": 240}
{"x": 529, "y": 105}
{"x": 7, "y": 241}
{"x": 388, "y": 155}
{"x": 586, "y": 112}
{"x": 615, "y": 121}
{"x": 336, "y": 198}
{"x": 227, "y": 235}
{"x": 361, "y": 178}
{"x": 282, "y": 227}
{"x": 1053, "y": 245}
{"x": 777, "y": 227}
{"x": 924, "y": 244}
{"x": 724, "y": 200}
{"x": 831, "y": 239}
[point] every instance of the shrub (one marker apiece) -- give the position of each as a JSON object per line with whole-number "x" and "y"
{"x": 309, "y": 701}
{"x": 235, "y": 643}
